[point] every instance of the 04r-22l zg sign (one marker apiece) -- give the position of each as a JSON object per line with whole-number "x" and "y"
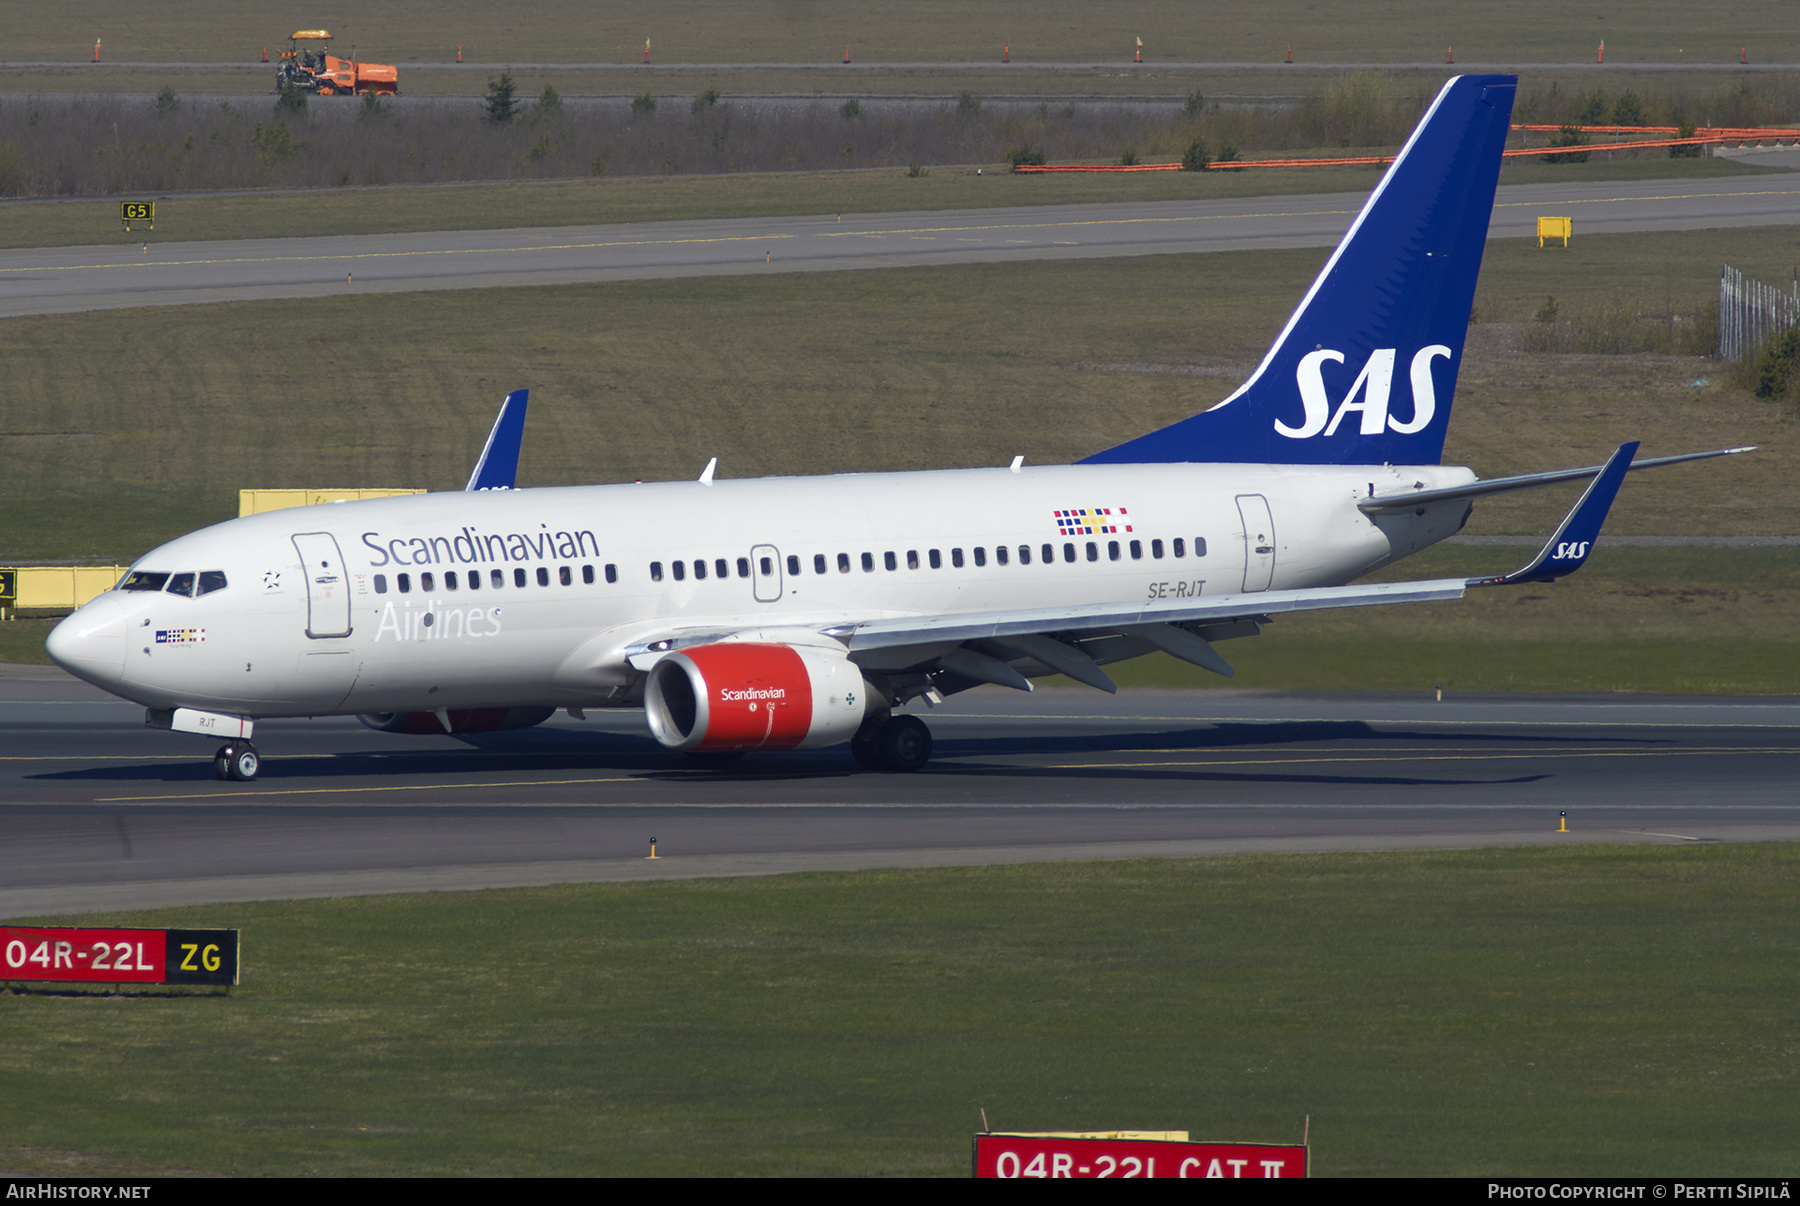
{"x": 103, "y": 956}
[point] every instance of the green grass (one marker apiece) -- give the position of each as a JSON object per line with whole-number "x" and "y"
{"x": 713, "y": 31}
{"x": 119, "y": 433}
{"x": 1045, "y": 38}
{"x": 1267, "y": 79}
{"x": 1592, "y": 659}
{"x": 1685, "y": 620}
{"x": 630, "y": 199}
{"x": 22, "y": 641}
{"x": 296, "y": 214}
{"x": 1584, "y": 1011}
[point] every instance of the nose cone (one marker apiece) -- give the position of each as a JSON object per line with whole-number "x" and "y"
{"x": 91, "y": 643}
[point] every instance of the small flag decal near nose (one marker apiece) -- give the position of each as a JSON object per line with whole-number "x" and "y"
{"x": 1092, "y": 521}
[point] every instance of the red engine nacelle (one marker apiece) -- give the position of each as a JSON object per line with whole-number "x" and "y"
{"x": 462, "y": 720}
{"x": 755, "y": 697}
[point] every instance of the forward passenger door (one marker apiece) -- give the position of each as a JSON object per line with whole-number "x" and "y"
{"x": 327, "y": 585}
{"x": 765, "y": 573}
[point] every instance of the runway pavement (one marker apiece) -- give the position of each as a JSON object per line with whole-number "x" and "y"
{"x": 73, "y": 279}
{"x": 101, "y": 813}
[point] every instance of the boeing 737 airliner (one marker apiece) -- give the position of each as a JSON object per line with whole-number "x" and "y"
{"x": 789, "y": 613}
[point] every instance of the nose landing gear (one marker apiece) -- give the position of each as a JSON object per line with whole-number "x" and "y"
{"x": 237, "y": 762}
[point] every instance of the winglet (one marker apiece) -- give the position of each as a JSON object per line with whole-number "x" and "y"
{"x": 1568, "y": 549}
{"x": 498, "y": 467}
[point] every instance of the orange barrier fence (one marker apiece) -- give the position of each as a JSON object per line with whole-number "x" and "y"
{"x": 1727, "y": 133}
{"x": 1710, "y": 138}
{"x": 1611, "y": 146}
{"x": 1026, "y": 169}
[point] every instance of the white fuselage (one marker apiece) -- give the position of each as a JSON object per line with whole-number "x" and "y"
{"x": 396, "y": 625}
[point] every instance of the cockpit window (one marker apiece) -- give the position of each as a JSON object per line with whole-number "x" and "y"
{"x": 180, "y": 584}
{"x": 211, "y": 580}
{"x": 142, "y": 580}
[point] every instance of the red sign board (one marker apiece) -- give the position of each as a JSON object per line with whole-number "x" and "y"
{"x": 1051, "y": 1156}
{"x": 118, "y": 956}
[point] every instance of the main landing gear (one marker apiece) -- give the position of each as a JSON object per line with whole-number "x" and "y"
{"x": 895, "y": 744}
{"x": 237, "y": 761}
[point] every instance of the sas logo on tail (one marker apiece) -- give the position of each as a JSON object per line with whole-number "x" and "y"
{"x": 1368, "y": 394}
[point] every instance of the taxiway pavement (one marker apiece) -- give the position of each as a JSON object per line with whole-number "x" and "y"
{"x": 103, "y": 814}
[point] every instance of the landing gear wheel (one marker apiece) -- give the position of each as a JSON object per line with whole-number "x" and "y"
{"x": 863, "y": 750}
{"x": 237, "y": 762}
{"x": 862, "y": 746}
{"x": 901, "y": 745}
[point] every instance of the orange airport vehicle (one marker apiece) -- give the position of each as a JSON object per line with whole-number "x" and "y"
{"x": 328, "y": 75}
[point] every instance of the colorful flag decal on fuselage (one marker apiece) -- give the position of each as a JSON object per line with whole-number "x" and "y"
{"x": 1092, "y": 521}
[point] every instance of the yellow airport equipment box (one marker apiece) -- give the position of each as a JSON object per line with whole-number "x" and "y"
{"x": 1555, "y": 228}
{"x": 255, "y": 502}
{"x": 59, "y": 587}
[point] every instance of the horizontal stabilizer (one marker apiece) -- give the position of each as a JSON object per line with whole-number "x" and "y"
{"x": 498, "y": 468}
{"x": 1568, "y": 549}
{"x": 1387, "y": 504}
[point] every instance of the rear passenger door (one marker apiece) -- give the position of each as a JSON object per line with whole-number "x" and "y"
{"x": 1259, "y": 541}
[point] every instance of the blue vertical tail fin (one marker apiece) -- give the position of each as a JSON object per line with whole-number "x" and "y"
{"x": 1365, "y": 371}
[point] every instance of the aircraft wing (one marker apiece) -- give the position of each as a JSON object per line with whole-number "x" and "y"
{"x": 1381, "y": 504}
{"x": 914, "y": 630}
{"x": 984, "y": 646}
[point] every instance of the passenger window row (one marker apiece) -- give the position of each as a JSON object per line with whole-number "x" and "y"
{"x": 191, "y": 585}
{"x": 844, "y": 563}
{"x": 471, "y": 579}
{"x": 721, "y": 568}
